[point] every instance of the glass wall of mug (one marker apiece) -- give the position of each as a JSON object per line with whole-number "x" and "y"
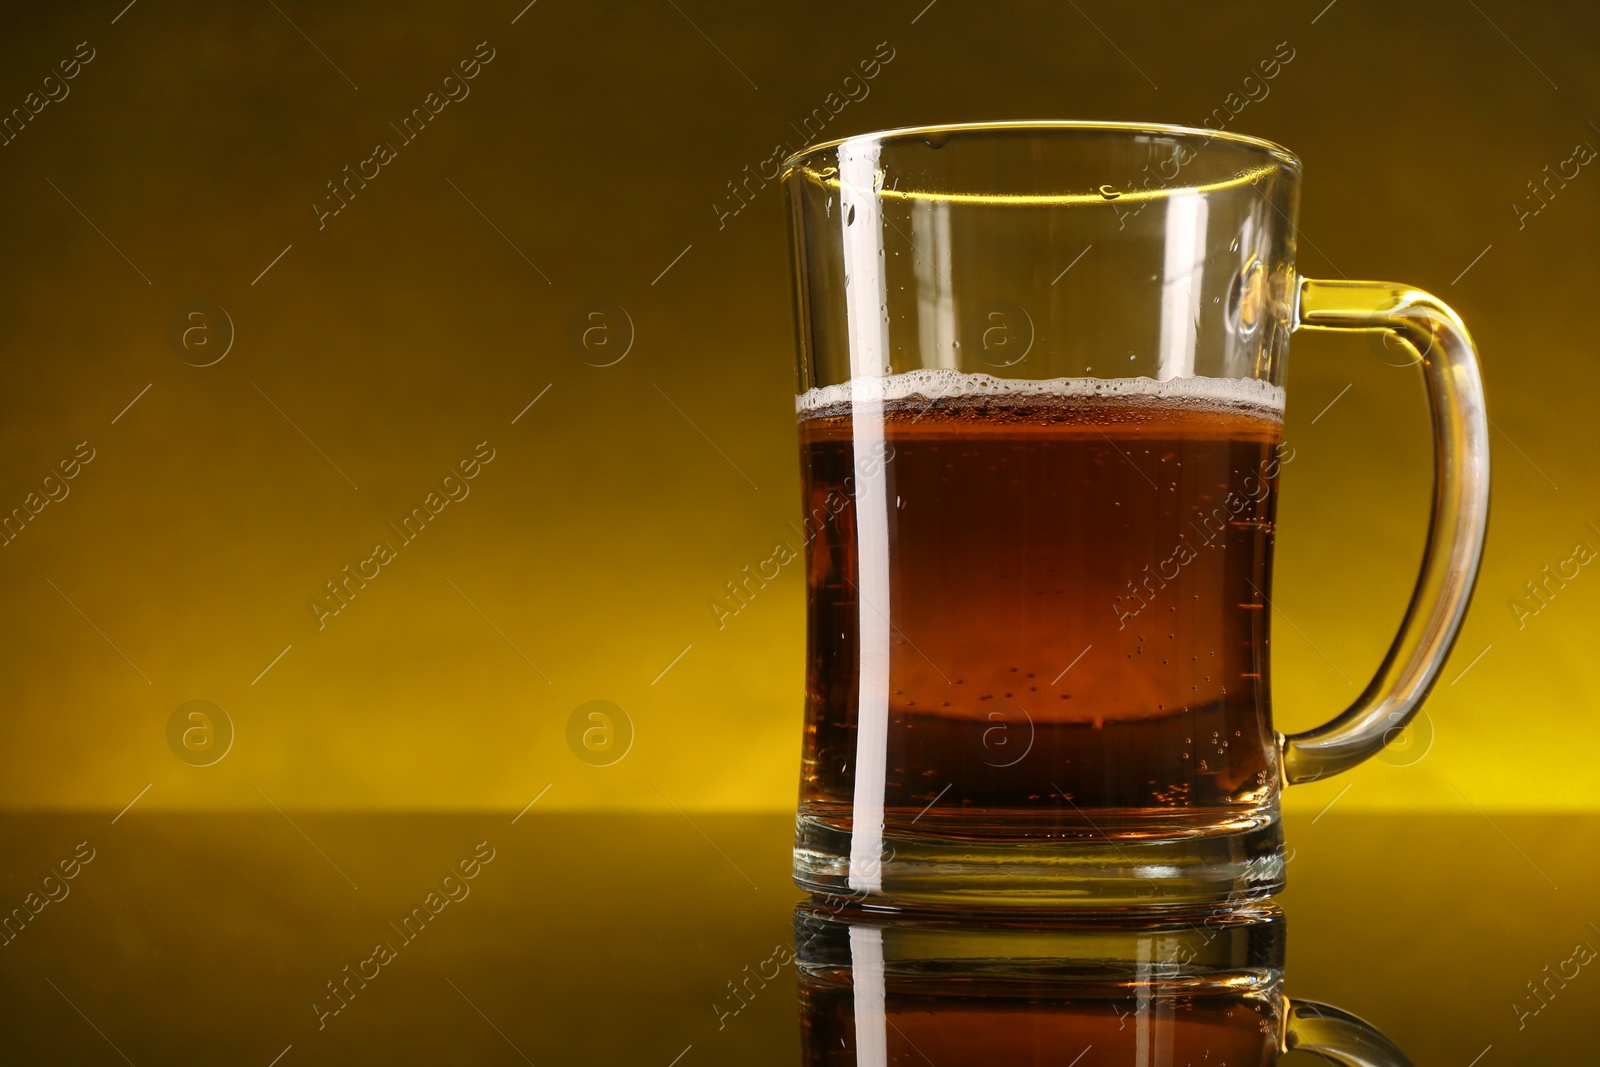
{"x": 1040, "y": 406}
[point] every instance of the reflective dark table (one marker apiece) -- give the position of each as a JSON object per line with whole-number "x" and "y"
{"x": 312, "y": 938}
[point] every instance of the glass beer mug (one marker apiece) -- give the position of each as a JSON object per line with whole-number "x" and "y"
{"x": 1041, "y": 391}
{"x": 1142, "y": 989}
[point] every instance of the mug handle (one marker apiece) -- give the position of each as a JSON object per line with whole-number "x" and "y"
{"x": 1339, "y": 1036}
{"x": 1456, "y": 529}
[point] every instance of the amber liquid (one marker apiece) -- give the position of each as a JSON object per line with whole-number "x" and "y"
{"x": 1078, "y": 633}
{"x": 988, "y": 1024}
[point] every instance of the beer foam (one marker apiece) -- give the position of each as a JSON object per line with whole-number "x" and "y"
{"x": 934, "y": 384}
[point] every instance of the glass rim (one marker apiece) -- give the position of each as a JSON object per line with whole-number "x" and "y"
{"x": 1279, "y": 155}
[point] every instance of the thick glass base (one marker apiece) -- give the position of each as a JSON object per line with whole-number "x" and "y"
{"x": 1124, "y": 859}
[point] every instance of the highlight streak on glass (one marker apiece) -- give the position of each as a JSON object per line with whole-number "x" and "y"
{"x": 867, "y": 984}
{"x": 1184, "y": 261}
{"x": 860, "y": 216}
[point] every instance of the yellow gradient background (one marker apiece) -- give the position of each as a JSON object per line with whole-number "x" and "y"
{"x": 590, "y": 162}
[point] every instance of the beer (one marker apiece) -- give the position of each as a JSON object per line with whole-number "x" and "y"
{"x": 1065, "y": 582}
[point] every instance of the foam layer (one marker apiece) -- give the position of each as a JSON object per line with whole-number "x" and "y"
{"x": 939, "y": 383}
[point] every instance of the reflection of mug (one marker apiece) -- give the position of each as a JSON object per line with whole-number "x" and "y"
{"x": 1125, "y": 991}
{"x": 1041, "y": 422}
